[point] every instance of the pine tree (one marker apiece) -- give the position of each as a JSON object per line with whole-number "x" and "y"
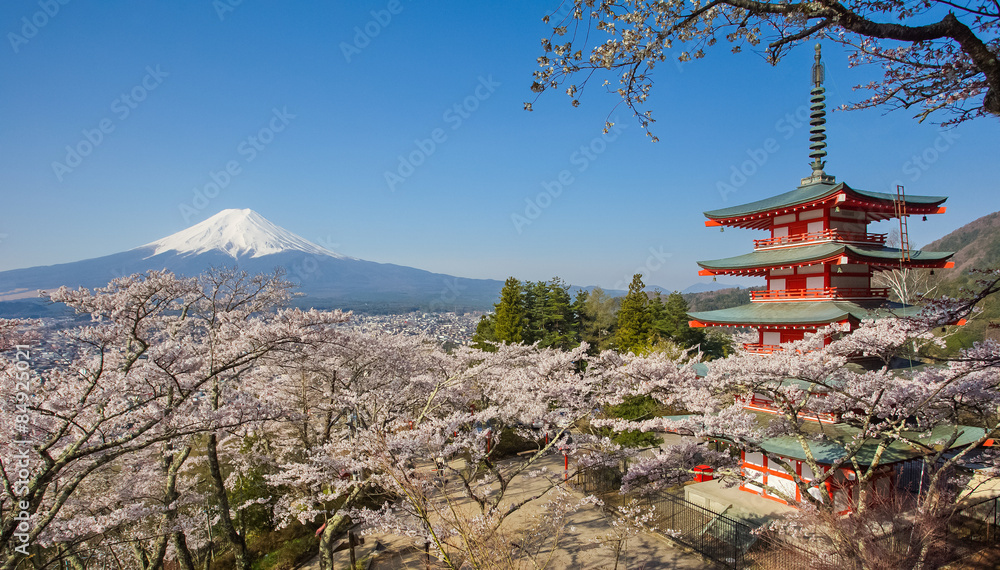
{"x": 598, "y": 320}
{"x": 508, "y": 316}
{"x": 557, "y": 317}
{"x": 633, "y": 334}
{"x": 534, "y": 296}
{"x": 485, "y": 334}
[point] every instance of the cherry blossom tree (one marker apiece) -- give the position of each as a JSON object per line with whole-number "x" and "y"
{"x": 399, "y": 419}
{"x": 162, "y": 361}
{"x": 937, "y": 56}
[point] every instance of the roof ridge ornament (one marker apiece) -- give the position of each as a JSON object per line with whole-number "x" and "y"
{"x": 817, "y": 123}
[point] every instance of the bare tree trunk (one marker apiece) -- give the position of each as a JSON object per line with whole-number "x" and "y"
{"x": 184, "y": 557}
{"x": 243, "y": 556}
{"x": 140, "y": 555}
{"x": 334, "y": 526}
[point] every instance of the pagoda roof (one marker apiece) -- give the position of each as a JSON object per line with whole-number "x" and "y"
{"x": 836, "y": 436}
{"x": 816, "y": 193}
{"x": 801, "y": 313}
{"x": 756, "y": 262}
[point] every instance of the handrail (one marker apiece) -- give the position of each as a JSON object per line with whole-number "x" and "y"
{"x": 825, "y": 292}
{"x": 823, "y": 235}
{"x": 758, "y": 348}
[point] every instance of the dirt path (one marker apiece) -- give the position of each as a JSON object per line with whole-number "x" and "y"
{"x": 584, "y": 544}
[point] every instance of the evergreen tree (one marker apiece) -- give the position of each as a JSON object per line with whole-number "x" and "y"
{"x": 675, "y": 318}
{"x": 581, "y": 319}
{"x": 633, "y": 334}
{"x": 485, "y": 334}
{"x": 598, "y": 320}
{"x": 534, "y": 296}
{"x": 508, "y": 316}
{"x": 657, "y": 320}
{"x": 557, "y": 317}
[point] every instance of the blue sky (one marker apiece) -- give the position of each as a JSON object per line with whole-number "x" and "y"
{"x": 176, "y": 93}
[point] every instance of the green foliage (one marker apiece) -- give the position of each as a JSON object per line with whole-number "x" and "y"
{"x": 596, "y": 318}
{"x": 636, "y": 408}
{"x": 282, "y": 549}
{"x": 508, "y": 319}
{"x": 484, "y": 334}
{"x": 636, "y": 438}
{"x": 633, "y": 333}
{"x": 544, "y": 312}
{"x": 721, "y": 299}
{"x": 251, "y": 486}
{"x": 289, "y": 554}
{"x": 531, "y": 312}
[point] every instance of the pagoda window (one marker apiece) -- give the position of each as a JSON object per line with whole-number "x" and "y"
{"x": 816, "y": 282}
{"x": 814, "y": 227}
{"x": 782, "y": 220}
{"x": 771, "y": 338}
{"x": 780, "y": 232}
{"x": 782, "y": 272}
{"x": 777, "y": 285}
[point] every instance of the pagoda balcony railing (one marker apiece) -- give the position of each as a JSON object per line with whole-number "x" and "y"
{"x": 823, "y": 293}
{"x": 758, "y": 348}
{"x": 824, "y": 235}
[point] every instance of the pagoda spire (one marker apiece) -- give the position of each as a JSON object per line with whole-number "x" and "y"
{"x": 817, "y": 123}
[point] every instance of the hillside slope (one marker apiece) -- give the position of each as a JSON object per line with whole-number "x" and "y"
{"x": 976, "y": 246}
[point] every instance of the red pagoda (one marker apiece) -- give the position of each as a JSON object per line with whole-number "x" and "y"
{"x": 819, "y": 259}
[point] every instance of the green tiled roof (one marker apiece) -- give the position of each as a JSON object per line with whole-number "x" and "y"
{"x": 831, "y": 447}
{"x": 806, "y": 253}
{"x": 810, "y": 193}
{"x": 801, "y": 312}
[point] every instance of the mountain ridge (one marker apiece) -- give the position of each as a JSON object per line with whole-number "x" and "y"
{"x": 248, "y": 241}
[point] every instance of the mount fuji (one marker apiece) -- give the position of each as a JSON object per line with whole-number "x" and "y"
{"x": 248, "y": 241}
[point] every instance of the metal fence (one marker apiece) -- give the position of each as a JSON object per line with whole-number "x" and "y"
{"x": 977, "y": 523}
{"x": 737, "y": 544}
{"x": 714, "y": 535}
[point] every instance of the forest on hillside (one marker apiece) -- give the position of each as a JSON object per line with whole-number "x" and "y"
{"x": 640, "y": 322}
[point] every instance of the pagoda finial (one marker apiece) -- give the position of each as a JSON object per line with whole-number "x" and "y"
{"x": 817, "y": 123}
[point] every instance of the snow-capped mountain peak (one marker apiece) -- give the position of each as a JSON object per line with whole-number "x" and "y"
{"x": 238, "y": 233}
